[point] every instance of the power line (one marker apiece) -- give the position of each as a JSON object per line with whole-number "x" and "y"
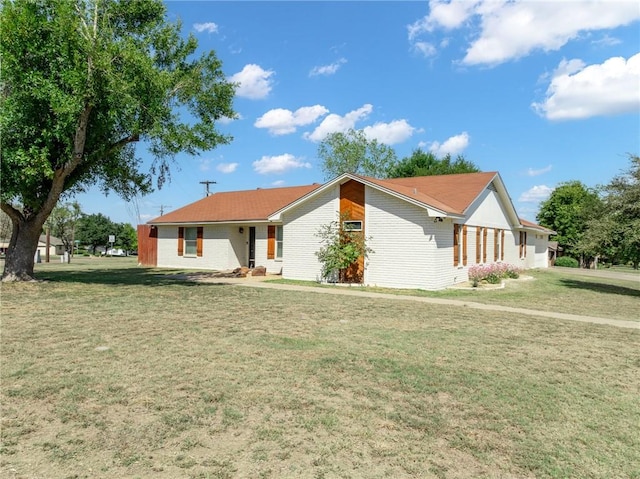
{"x": 162, "y": 207}
{"x": 208, "y": 182}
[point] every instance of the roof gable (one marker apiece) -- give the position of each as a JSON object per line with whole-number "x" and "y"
{"x": 248, "y": 205}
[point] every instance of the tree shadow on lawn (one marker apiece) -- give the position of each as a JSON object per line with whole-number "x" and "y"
{"x": 119, "y": 277}
{"x": 600, "y": 287}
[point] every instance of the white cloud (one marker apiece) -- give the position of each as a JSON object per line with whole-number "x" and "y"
{"x": 278, "y": 183}
{"x": 281, "y": 122}
{"x": 278, "y": 164}
{"x": 254, "y": 82}
{"x": 209, "y": 27}
{"x": 327, "y": 69}
{"x": 577, "y": 91}
{"x": 536, "y": 194}
{"x": 335, "y": 123}
{"x": 541, "y": 171}
{"x": 453, "y": 146}
{"x": 390, "y": 133}
{"x": 448, "y": 15}
{"x": 510, "y": 30}
{"x": 425, "y": 48}
{"x": 225, "y": 120}
{"x": 227, "y": 167}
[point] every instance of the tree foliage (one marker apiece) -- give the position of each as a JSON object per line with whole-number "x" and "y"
{"x": 567, "y": 211}
{"x": 84, "y": 81}
{"x": 340, "y": 248}
{"x": 422, "y": 163}
{"x": 353, "y": 152}
{"x": 62, "y": 223}
{"x": 94, "y": 231}
{"x": 613, "y": 231}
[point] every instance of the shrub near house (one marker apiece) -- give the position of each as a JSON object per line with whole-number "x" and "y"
{"x": 492, "y": 273}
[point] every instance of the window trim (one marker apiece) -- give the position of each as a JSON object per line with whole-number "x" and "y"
{"x": 279, "y": 242}
{"x": 354, "y": 225}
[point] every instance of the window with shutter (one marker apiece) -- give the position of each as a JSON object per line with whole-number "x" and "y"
{"x": 180, "y": 241}
{"x": 484, "y": 245}
{"x": 478, "y": 245}
{"x": 496, "y": 245}
{"x": 464, "y": 245}
{"x": 271, "y": 242}
{"x": 199, "y": 236}
{"x": 456, "y": 244}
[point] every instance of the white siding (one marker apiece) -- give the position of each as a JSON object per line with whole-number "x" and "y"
{"x": 540, "y": 251}
{"x": 299, "y": 235}
{"x": 223, "y": 248}
{"x": 488, "y": 211}
{"x": 402, "y": 237}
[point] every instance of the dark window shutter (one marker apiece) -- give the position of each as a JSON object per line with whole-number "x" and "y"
{"x": 502, "y": 245}
{"x": 484, "y": 245}
{"x": 271, "y": 242}
{"x": 199, "y": 241}
{"x": 477, "y": 244}
{"x": 456, "y": 242}
{"x": 496, "y": 238}
{"x": 180, "y": 241}
{"x": 464, "y": 245}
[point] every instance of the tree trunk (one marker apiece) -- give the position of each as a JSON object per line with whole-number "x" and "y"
{"x": 19, "y": 261}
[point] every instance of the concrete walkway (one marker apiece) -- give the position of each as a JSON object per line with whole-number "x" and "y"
{"x": 346, "y": 291}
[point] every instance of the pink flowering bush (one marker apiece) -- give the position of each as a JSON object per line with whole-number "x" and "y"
{"x": 492, "y": 273}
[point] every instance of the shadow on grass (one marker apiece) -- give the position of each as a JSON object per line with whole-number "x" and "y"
{"x": 119, "y": 277}
{"x": 600, "y": 287}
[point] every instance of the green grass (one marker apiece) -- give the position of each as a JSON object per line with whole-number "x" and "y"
{"x": 110, "y": 370}
{"x": 548, "y": 291}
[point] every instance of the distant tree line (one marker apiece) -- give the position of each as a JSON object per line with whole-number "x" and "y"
{"x": 72, "y": 227}
{"x": 601, "y": 223}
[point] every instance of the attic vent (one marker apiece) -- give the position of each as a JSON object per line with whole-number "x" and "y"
{"x": 491, "y": 187}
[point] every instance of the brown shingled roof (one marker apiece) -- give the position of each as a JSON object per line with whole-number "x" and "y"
{"x": 249, "y": 205}
{"x": 450, "y": 193}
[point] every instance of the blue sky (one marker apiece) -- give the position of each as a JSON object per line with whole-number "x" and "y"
{"x": 543, "y": 92}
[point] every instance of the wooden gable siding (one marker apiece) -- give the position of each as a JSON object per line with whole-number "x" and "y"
{"x": 352, "y": 200}
{"x": 352, "y": 206}
{"x": 147, "y": 245}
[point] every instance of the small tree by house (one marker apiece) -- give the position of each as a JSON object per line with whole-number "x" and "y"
{"x": 341, "y": 249}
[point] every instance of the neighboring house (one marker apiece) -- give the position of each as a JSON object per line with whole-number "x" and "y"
{"x": 56, "y": 246}
{"x": 425, "y": 232}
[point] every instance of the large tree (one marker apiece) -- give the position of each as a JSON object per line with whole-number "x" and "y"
{"x": 94, "y": 230}
{"x": 353, "y": 152}
{"x": 613, "y": 230}
{"x": 567, "y": 211}
{"x": 83, "y": 81}
{"x": 422, "y": 163}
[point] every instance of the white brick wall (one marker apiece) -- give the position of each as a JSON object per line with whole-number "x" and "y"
{"x": 299, "y": 235}
{"x": 223, "y": 248}
{"x": 402, "y": 238}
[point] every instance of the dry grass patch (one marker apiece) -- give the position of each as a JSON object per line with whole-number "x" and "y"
{"x": 121, "y": 372}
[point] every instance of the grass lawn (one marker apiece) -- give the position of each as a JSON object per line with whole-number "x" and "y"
{"x": 110, "y": 370}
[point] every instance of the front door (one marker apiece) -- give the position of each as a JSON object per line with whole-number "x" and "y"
{"x": 252, "y": 246}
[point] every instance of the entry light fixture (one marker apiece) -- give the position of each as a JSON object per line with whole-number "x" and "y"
{"x": 241, "y": 230}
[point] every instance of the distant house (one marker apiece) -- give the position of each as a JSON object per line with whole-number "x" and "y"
{"x": 56, "y": 246}
{"x": 425, "y": 232}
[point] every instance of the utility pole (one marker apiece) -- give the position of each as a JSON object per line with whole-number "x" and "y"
{"x": 208, "y": 182}
{"x": 162, "y": 207}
